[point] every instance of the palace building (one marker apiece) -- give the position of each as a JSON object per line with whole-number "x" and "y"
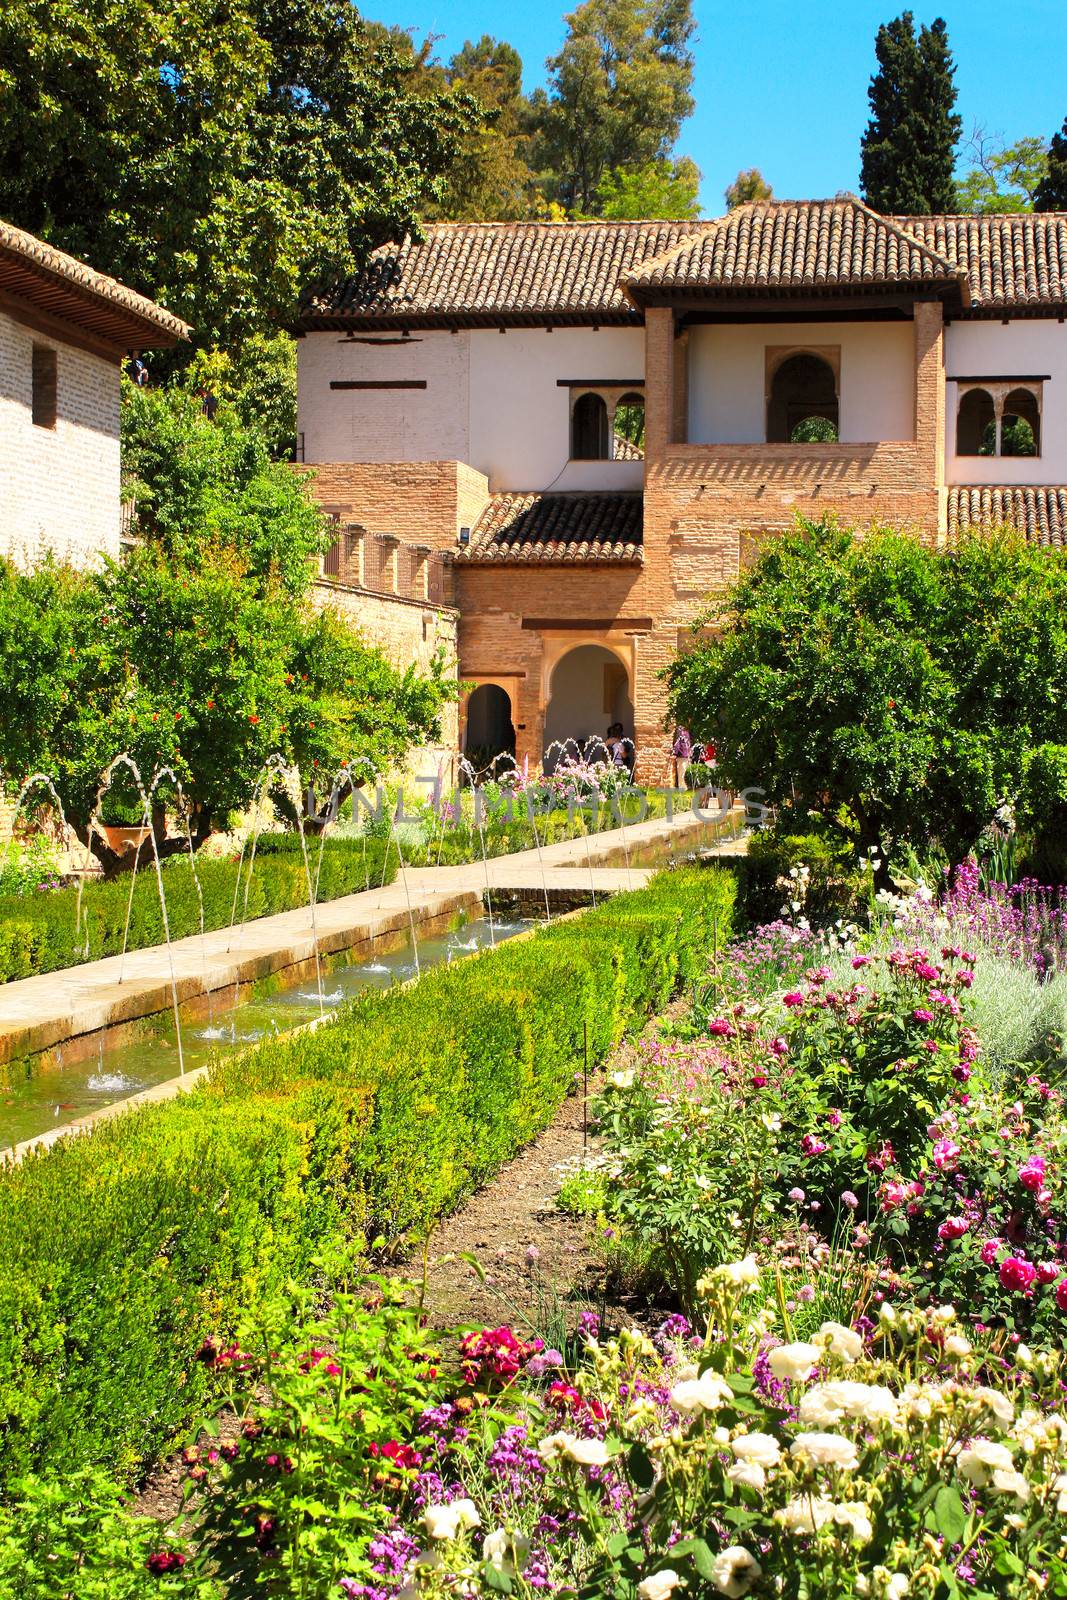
{"x": 576, "y": 433}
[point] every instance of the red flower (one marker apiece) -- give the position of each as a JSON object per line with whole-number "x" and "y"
{"x": 1061, "y": 1294}
{"x": 253, "y": 718}
{"x": 161, "y": 1562}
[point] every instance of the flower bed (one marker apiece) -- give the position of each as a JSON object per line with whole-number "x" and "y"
{"x": 120, "y": 1252}
{"x": 45, "y": 932}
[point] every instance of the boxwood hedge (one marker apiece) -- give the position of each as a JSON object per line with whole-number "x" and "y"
{"x": 120, "y": 1252}
{"x": 42, "y": 932}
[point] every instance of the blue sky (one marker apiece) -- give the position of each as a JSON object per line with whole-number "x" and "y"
{"x": 782, "y": 84}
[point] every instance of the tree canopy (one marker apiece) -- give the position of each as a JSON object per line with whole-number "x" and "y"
{"x": 1004, "y": 178}
{"x": 217, "y": 159}
{"x": 908, "y": 149}
{"x": 619, "y": 91}
{"x": 902, "y": 692}
{"x": 750, "y": 184}
{"x": 1051, "y": 193}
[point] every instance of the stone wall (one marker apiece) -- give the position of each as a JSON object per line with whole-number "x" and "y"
{"x": 420, "y": 502}
{"x": 59, "y": 487}
{"x": 410, "y": 633}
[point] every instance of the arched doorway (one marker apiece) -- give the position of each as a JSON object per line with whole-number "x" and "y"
{"x": 490, "y": 728}
{"x": 589, "y": 691}
{"x": 802, "y": 406}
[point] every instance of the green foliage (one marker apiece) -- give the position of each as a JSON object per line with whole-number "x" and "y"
{"x": 490, "y": 179}
{"x": 257, "y": 379}
{"x": 907, "y": 151}
{"x": 1005, "y": 179}
{"x": 834, "y": 885}
{"x": 917, "y": 689}
{"x": 43, "y": 933}
{"x": 119, "y": 1253}
{"x": 660, "y": 189}
{"x": 749, "y": 185}
{"x": 1051, "y": 193}
{"x": 217, "y": 161}
{"x": 619, "y": 90}
{"x": 814, "y": 430}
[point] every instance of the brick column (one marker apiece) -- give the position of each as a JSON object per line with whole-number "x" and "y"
{"x": 930, "y": 406}
{"x": 660, "y": 396}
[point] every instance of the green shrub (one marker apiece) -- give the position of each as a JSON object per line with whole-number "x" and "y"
{"x": 42, "y": 933}
{"x": 836, "y": 887}
{"x": 119, "y": 1253}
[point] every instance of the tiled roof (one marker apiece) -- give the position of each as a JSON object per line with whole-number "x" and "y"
{"x": 1039, "y": 510}
{"x": 560, "y": 528}
{"x": 1011, "y": 261}
{"x": 65, "y": 287}
{"x": 497, "y": 273}
{"x": 488, "y": 272}
{"x": 790, "y": 246}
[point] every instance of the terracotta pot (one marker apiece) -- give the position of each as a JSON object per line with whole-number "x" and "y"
{"x": 122, "y": 839}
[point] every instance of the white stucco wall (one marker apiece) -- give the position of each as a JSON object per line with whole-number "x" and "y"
{"x": 431, "y": 424}
{"x": 59, "y": 488}
{"x": 727, "y": 375}
{"x": 491, "y": 399}
{"x": 520, "y": 418}
{"x": 1024, "y": 348}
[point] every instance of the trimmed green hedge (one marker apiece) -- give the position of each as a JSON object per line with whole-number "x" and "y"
{"x": 119, "y": 1253}
{"x": 39, "y": 933}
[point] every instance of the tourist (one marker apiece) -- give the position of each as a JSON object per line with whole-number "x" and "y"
{"x": 682, "y": 749}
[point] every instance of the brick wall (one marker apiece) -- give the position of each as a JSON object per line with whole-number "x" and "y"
{"x": 420, "y": 502}
{"x": 59, "y": 488}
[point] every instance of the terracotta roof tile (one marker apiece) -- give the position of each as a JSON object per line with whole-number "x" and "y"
{"x": 1010, "y": 261}
{"x": 557, "y": 528}
{"x": 1038, "y": 510}
{"x": 535, "y": 272}
{"x": 786, "y": 246}
{"x": 488, "y": 272}
{"x": 68, "y": 288}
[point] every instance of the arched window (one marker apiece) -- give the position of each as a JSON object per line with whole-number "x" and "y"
{"x": 628, "y": 441}
{"x": 589, "y": 429}
{"x": 1020, "y": 429}
{"x": 976, "y": 427}
{"x": 802, "y": 406}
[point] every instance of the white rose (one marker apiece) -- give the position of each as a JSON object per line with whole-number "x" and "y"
{"x": 805, "y": 1514}
{"x": 706, "y": 1393}
{"x": 794, "y": 1363}
{"x": 447, "y": 1521}
{"x": 996, "y": 1402}
{"x": 506, "y": 1552}
{"x": 844, "y": 1342}
{"x": 749, "y": 1473}
{"x": 897, "y": 1587}
{"x": 586, "y": 1452}
{"x": 621, "y": 1080}
{"x": 659, "y": 1585}
{"x": 1059, "y": 1483}
{"x": 1008, "y": 1481}
{"x": 826, "y": 1450}
{"x": 740, "y": 1273}
{"x": 857, "y": 1519}
{"x": 982, "y": 1459}
{"x": 734, "y": 1571}
{"x": 827, "y": 1403}
{"x": 760, "y": 1447}
{"x": 957, "y": 1346}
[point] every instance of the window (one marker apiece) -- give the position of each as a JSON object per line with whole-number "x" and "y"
{"x": 43, "y": 386}
{"x": 802, "y": 405}
{"x": 998, "y": 418}
{"x": 628, "y": 428}
{"x": 589, "y": 429}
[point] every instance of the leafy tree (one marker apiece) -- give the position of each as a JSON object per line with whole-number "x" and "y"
{"x": 258, "y": 380}
{"x": 490, "y": 179}
{"x": 217, "y": 158}
{"x": 1004, "y": 178}
{"x": 907, "y": 151}
{"x": 901, "y": 691}
{"x": 1051, "y": 194}
{"x": 202, "y": 650}
{"x": 749, "y": 185}
{"x": 666, "y": 190}
{"x": 619, "y": 91}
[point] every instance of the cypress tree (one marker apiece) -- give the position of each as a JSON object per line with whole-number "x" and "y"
{"x": 1051, "y": 192}
{"x": 908, "y": 149}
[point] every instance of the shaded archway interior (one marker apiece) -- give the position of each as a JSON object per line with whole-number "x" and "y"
{"x": 803, "y": 386}
{"x": 490, "y": 725}
{"x": 589, "y": 691}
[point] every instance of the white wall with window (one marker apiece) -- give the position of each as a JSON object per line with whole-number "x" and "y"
{"x": 1006, "y": 401}
{"x": 59, "y": 449}
{"x": 732, "y": 368}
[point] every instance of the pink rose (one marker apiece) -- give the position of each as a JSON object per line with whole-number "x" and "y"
{"x": 989, "y": 1251}
{"x": 720, "y": 1029}
{"x": 946, "y": 1155}
{"x": 1017, "y": 1274}
{"x": 922, "y": 1015}
{"x": 793, "y": 999}
{"x": 811, "y": 1145}
{"x": 1032, "y": 1173}
{"x": 953, "y": 1228}
{"x": 1061, "y": 1294}
{"x": 1047, "y": 1272}
{"x": 861, "y": 961}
